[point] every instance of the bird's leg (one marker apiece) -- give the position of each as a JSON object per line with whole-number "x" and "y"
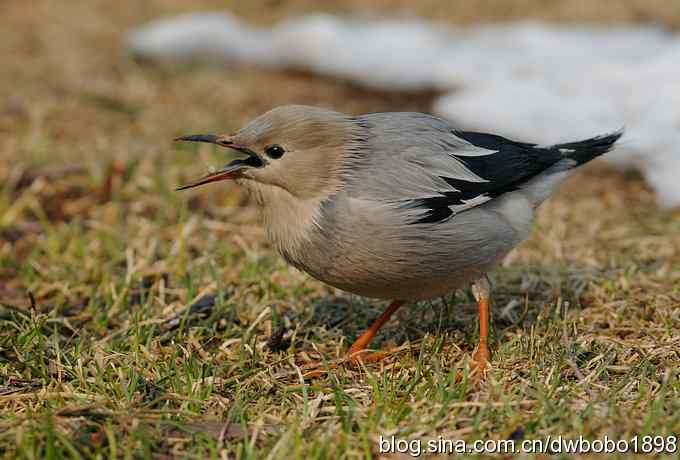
{"x": 356, "y": 351}
{"x": 481, "y": 289}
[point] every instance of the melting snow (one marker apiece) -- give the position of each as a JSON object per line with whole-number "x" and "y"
{"x": 530, "y": 81}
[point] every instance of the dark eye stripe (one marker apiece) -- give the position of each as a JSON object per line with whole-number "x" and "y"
{"x": 274, "y": 151}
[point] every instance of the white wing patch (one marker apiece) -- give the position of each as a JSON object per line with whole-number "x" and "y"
{"x": 443, "y": 199}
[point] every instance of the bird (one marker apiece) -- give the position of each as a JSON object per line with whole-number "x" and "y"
{"x": 397, "y": 206}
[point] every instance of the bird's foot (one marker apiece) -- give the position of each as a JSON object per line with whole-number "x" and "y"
{"x": 479, "y": 364}
{"x": 353, "y": 358}
{"x": 358, "y": 353}
{"x": 314, "y": 369}
{"x": 480, "y": 360}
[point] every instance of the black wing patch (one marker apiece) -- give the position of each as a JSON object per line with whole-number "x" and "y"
{"x": 510, "y": 164}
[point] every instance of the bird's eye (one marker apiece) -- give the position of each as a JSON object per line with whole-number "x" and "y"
{"x": 274, "y": 151}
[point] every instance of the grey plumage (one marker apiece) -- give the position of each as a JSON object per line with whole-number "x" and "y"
{"x": 396, "y": 205}
{"x": 399, "y": 205}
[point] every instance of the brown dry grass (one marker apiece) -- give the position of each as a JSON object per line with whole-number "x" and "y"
{"x": 586, "y": 311}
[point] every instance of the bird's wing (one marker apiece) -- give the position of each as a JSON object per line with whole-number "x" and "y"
{"x": 432, "y": 172}
{"x": 477, "y": 168}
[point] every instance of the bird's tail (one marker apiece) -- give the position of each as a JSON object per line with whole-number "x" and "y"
{"x": 573, "y": 155}
{"x": 584, "y": 151}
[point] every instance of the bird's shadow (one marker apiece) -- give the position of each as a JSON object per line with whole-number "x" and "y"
{"x": 519, "y": 295}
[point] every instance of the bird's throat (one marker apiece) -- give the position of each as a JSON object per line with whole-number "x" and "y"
{"x": 289, "y": 221}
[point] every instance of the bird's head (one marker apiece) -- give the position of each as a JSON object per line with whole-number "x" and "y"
{"x": 303, "y": 150}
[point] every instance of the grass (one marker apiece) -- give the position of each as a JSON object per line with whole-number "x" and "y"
{"x": 138, "y": 322}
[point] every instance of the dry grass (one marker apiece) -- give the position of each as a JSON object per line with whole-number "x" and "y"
{"x": 104, "y": 359}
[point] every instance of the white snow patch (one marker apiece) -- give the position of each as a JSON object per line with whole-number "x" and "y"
{"x": 531, "y": 81}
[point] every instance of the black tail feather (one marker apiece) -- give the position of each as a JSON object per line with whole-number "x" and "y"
{"x": 584, "y": 151}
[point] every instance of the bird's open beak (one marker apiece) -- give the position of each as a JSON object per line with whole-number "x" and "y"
{"x": 229, "y": 171}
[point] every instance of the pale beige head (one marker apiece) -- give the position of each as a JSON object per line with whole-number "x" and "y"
{"x": 300, "y": 149}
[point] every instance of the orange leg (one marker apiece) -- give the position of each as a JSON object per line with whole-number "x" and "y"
{"x": 357, "y": 352}
{"x": 482, "y": 290}
{"x": 359, "y": 346}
